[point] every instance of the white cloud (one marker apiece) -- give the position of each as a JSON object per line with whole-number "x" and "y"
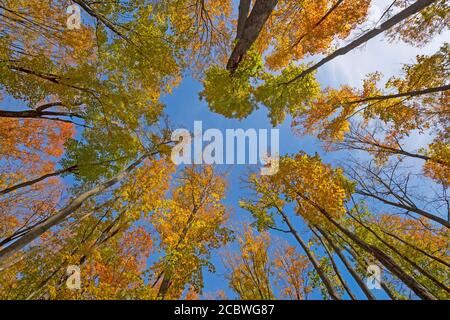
{"x": 377, "y": 55}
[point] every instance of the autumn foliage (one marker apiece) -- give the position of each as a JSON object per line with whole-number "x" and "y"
{"x": 87, "y": 180}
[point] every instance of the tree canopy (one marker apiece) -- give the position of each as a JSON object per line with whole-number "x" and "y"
{"x": 87, "y": 179}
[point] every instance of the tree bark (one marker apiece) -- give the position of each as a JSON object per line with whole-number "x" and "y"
{"x": 167, "y": 274}
{"x": 253, "y": 25}
{"x": 399, "y": 17}
{"x": 244, "y": 9}
{"x": 53, "y": 78}
{"x": 417, "y": 249}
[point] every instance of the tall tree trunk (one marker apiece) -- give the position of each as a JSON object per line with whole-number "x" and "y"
{"x": 334, "y": 266}
{"x": 365, "y": 264}
{"x": 244, "y": 9}
{"x": 253, "y": 25}
{"x": 349, "y": 267}
{"x": 330, "y": 289}
{"x": 57, "y": 218}
{"x": 164, "y": 287}
{"x": 420, "y": 290}
{"x": 387, "y": 261}
{"x": 417, "y": 249}
{"x": 399, "y": 17}
{"x": 63, "y": 264}
{"x": 53, "y": 78}
{"x": 412, "y": 263}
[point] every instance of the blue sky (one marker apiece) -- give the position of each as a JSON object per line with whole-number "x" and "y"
{"x": 184, "y": 107}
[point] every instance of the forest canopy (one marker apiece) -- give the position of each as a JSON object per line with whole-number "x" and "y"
{"x": 89, "y": 91}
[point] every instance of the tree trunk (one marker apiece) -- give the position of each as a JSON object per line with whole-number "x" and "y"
{"x": 365, "y": 264}
{"x": 387, "y": 261}
{"x": 399, "y": 17}
{"x": 420, "y": 290}
{"x": 417, "y": 249}
{"x": 164, "y": 287}
{"x": 331, "y": 291}
{"x": 349, "y": 267}
{"x": 167, "y": 277}
{"x": 335, "y": 267}
{"x": 244, "y": 9}
{"x": 353, "y": 140}
{"x": 412, "y": 263}
{"x": 57, "y": 218}
{"x": 253, "y": 25}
